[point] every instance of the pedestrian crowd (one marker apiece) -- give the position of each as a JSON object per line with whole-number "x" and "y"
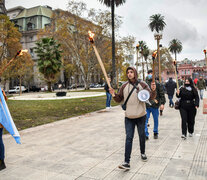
{"x": 138, "y": 111}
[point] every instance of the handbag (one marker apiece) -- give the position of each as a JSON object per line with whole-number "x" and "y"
{"x": 124, "y": 105}
{"x": 177, "y": 104}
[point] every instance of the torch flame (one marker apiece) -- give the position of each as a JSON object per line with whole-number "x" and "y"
{"x": 21, "y": 52}
{"x": 154, "y": 54}
{"x": 204, "y": 51}
{"x": 91, "y": 35}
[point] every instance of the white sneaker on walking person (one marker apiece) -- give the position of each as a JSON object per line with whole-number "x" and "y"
{"x": 190, "y": 134}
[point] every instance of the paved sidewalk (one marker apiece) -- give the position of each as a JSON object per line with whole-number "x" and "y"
{"x": 92, "y": 146}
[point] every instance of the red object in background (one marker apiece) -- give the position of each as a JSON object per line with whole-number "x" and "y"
{"x": 205, "y": 106}
{"x": 195, "y": 81}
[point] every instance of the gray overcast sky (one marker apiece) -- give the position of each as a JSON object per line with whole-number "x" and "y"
{"x": 185, "y": 19}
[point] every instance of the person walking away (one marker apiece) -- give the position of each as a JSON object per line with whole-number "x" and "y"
{"x": 108, "y": 95}
{"x": 135, "y": 114}
{"x": 189, "y": 103}
{"x": 154, "y": 106}
{"x": 180, "y": 82}
{"x": 201, "y": 85}
{"x": 170, "y": 87}
{"x": 195, "y": 81}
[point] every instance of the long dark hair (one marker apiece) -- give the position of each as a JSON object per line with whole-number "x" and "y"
{"x": 191, "y": 82}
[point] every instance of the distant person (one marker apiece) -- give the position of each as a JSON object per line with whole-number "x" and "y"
{"x": 201, "y": 85}
{"x": 180, "y": 82}
{"x": 195, "y": 81}
{"x": 108, "y": 95}
{"x": 135, "y": 112}
{"x": 189, "y": 103}
{"x": 163, "y": 87}
{"x": 170, "y": 87}
{"x": 153, "y": 107}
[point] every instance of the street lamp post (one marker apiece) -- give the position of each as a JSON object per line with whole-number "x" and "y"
{"x": 137, "y": 48}
{"x": 158, "y": 37}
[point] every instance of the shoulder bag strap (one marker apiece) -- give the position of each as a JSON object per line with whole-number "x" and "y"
{"x": 131, "y": 92}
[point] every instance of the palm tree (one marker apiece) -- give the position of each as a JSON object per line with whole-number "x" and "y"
{"x": 175, "y": 47}
{"x": 49, "y": 59}
{"x": 142, "y": 46}
{"x": 157, "y": 24}
{"x": 112, "y": 4}
{"x": 146, "y": 53}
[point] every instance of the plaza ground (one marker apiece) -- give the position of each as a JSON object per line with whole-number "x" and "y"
{"x": 91, "y": 147}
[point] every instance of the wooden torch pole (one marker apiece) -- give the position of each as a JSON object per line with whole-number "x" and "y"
{"x": 99, "y": 60}
{"x": 176, "y": 76}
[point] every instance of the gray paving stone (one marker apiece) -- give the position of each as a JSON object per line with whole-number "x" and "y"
{"x": 92, "y": 146}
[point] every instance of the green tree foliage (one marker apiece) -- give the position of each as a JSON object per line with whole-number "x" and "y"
{"x": 157, "y": 23}
{"x": 49, "y": 59}
{"x": 175, "y": 47}
{"x": 9, "y": 44}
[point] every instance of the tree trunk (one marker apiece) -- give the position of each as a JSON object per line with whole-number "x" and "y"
{"x": 49, "y": 86}
{"x": 147, "y": 65}
{"x": 143, "y": 68}
{"x": 113, "y": 75}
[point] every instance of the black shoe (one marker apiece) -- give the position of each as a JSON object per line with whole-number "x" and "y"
{"x": 160, "y": 113}
{"x": 124, "y": 166}
{"x": 147, "y": 138}
{"x": 144, "y": 157}
{"x": 155, "y": 135}
{"x": 2, "y": 165}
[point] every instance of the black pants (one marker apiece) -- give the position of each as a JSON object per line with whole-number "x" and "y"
{"x": 188, "y": 119}
{"x": 129, "y": 127}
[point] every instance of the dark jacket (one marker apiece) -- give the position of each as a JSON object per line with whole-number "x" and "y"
{"x": 106, "y": 87}
{"x": 189, "y": 99}
{"x": 160, "y": 96}
{"x": 170, "y": 87}
{"x": 201, "y": 84}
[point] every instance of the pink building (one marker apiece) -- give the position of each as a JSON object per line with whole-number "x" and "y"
{"x": 187, "y": 68}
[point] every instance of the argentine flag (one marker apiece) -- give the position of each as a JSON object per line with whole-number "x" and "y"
{"x": 6, "y": 119}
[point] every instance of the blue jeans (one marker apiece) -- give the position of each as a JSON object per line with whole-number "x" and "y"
{"x": 1, "y": 145}
{"x": 129, "y": 128}
{"x": 170, "y": 100}
{"x": 108, "y": 99}
{"x": 201, "y": 93}
{"x": 155, "y": 114}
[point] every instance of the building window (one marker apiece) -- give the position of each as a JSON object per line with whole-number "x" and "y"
{"x": 30, "y": 26}
{"x": 185, "y": 71}
{"x": 32, "y": 52}
{"x": 31, "y": 38}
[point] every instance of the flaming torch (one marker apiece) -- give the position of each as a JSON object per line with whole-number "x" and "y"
{"x": 19, "y": 53}
{"x": 176, "y": 76}
{"x": 154, "y": 55}
{"x": 91, "y": 39}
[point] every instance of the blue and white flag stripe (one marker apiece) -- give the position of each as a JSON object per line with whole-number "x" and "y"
{"x": 6, "y": 119}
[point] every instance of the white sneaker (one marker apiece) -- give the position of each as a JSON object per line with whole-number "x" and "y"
{"x": 190, "y": 134}
{"x": 107, "y": 108}
{"x": 183, "y": 136}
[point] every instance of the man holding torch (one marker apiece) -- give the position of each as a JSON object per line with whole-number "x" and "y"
{"x": 135, "y": 114}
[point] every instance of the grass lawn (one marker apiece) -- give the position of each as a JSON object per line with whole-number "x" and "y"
{"x": 33, "y": 113}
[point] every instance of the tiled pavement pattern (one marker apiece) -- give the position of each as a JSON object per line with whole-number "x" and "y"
{"x": 92, "y": 146}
